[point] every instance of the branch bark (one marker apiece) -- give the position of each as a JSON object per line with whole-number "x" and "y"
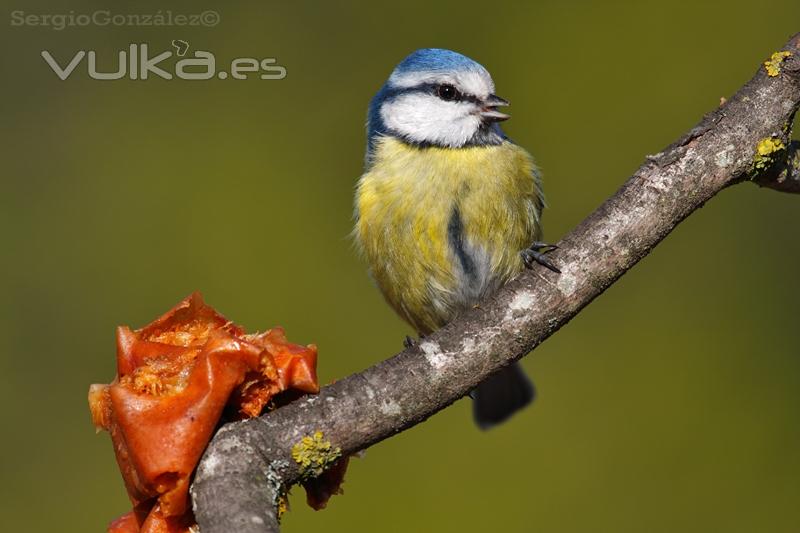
{"x": 248, "y": 464}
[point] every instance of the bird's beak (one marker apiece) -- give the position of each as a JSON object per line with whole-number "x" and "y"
{"x": 490, "y": 105}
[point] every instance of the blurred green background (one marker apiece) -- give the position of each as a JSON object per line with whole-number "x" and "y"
{"x": 670, "y": 404}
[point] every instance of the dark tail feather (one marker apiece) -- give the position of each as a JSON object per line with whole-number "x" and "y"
{"x": 501, "y": 395}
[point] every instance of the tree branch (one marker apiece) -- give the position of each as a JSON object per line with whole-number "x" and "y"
{"x": 248, "y": 464}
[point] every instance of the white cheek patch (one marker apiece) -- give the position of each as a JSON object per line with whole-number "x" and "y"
{"x": 426, "y": 118}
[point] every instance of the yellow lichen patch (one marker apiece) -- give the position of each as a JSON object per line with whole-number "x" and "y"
{"x": 283, "y": 505}
{"x": 765, "y": 152}
{"x": 773, "y": 64}
{"x": 314, "y": 455}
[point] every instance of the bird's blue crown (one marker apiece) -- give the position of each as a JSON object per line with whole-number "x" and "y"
{"x": 432, "y": 59}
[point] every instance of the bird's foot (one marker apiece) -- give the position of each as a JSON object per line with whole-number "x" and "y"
{"x": 535, "y": 253}
{"x": 408, "y": 342}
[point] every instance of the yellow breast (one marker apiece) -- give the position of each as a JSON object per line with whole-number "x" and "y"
{"x": 440, "y": 228}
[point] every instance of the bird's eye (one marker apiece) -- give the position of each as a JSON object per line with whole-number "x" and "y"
{"x": 446, "y": 92}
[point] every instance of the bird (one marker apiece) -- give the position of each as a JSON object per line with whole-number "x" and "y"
{"x": 448, "y": 208}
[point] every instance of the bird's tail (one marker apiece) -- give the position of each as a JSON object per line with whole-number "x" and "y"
{"x": 501, "y": 395}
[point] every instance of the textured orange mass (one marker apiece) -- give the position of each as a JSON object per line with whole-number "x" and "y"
{"x": 176, "y": 378}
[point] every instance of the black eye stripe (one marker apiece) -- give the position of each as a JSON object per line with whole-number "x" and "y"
{"x": 429, "y": 88}
{"x": 434, "y": 88}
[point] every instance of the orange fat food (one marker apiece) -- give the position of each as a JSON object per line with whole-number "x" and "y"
{"x": 176, "y": 378}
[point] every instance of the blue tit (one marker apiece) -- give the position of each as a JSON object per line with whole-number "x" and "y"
{"x": 448, "y": 208}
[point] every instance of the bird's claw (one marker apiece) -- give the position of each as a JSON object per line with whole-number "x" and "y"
{"x": 535, "y": 253}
